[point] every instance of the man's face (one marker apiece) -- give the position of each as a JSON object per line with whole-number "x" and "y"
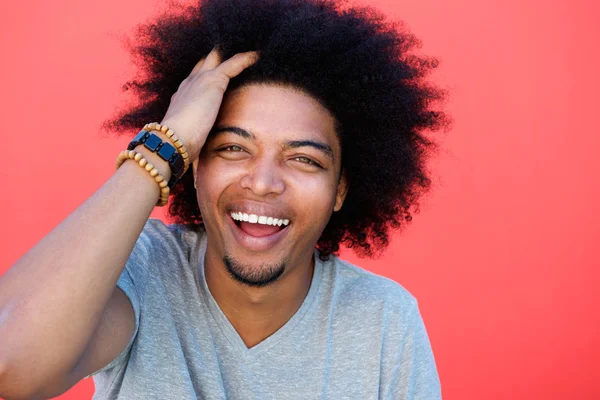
{"x": 273, "y": 154}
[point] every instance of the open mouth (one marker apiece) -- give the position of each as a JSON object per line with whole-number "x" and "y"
{"x": 258, "y": 225}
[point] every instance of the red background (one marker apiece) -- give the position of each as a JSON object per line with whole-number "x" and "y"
{"x": 502, "y": 257}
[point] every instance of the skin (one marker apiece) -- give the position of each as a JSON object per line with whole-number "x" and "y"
{"x": 261, "y": 290}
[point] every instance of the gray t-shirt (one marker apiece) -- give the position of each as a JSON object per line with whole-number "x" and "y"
{"x": 357, "y": 335}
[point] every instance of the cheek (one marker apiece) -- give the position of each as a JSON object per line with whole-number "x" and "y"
{"x": 316, "y": 198}
{"x": 216, "y": 183}
{"x": 211, "y": 184}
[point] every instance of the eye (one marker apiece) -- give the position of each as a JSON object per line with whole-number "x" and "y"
{"x": 232, "y": 152}
{"x": 232, "y": 148}
{"x": 308, "y": 161}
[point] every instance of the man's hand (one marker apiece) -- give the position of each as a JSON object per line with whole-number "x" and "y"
{"x": 195, "y": 106}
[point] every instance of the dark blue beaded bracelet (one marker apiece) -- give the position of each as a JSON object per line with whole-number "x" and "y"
{"x": 164, "y": 150}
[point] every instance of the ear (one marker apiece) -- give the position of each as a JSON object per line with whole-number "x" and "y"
{"x": 342, "y": 191}
{"x": 195, "y": 171}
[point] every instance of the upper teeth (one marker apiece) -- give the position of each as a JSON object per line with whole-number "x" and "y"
{"x": 258, "y": 219}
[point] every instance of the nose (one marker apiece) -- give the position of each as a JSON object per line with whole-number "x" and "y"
{"x": 263, "y": 177}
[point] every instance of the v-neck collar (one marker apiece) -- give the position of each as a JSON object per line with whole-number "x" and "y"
{"x": 249, "y": 354}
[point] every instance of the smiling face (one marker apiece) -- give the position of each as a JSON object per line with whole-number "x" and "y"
{"x": 268, "y": 180}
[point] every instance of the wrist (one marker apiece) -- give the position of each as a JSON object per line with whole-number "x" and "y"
{"x": 180, "y": 132}
{"x": 161, "y": 165}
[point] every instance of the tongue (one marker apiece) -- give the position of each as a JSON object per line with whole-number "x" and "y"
{"x": 258, "y": 229}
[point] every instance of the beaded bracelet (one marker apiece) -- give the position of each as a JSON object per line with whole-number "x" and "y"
{"x": 142, "y": 162}
{"x": 155, "y": 126}
{"x": 164, "y": 150}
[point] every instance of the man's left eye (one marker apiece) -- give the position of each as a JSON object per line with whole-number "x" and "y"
{"x": 307, "y": 160}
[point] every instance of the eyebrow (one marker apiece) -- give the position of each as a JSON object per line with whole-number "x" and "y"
{"x": 233, "y": 129}
{"x": 293, "y": 144}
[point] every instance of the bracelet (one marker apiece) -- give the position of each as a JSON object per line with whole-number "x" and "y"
{"x": 155, "y": 126}
{"x": 164, "y": 150}
{"x": 142, "y": 162}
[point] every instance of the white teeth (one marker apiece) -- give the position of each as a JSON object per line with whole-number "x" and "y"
{"x": 260, "y": 219}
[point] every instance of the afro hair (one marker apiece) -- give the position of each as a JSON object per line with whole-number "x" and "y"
{"x": 357, "y": 64}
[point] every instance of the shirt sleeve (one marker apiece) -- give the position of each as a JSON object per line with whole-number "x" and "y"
{"x": 132, "y": 281}
{"x": 127, "y": 285}
{"x": 414, "y": 373}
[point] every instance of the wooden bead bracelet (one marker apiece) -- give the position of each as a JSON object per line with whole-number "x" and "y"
{"x": 155, "y": 126}
{"x": 142, "y": 162}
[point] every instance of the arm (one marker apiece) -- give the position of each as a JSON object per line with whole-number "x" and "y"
{"x": 52, "y": 299}
{"x": 58, "y": 303}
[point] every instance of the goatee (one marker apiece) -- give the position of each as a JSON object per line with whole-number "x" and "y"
{"x": 253, "y": 277}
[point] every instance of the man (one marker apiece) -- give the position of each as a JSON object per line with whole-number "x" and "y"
{"x": 294, "y": 149}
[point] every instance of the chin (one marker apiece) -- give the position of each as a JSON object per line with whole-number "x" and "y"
{"x": 254, "y": 275}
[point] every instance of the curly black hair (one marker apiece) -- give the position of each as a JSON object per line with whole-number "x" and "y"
{"x": 357, "y": 64}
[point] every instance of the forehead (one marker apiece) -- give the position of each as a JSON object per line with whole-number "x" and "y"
{"x": 277, "y": 112}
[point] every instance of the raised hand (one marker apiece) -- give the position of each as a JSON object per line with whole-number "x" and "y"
{"x": 194, "y": 107}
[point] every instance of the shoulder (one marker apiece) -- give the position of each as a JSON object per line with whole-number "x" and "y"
{"x": 366, "y": 308}
{"x": 159, "y": 242}
{"x": 155, "y": 229}
{"x": 358, "y": 284}
{"x": 160, "y": 236}
{"x": 361, "y": 295}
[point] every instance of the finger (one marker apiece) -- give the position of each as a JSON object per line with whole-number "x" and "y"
{"x": 198, "y": 65}
{"x": 202, "y": 61}
{"x": 236, "y": 64}
{"x": 212, "y": 61}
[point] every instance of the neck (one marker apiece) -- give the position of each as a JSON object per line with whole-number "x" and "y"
{"x": 258, "y": 312}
